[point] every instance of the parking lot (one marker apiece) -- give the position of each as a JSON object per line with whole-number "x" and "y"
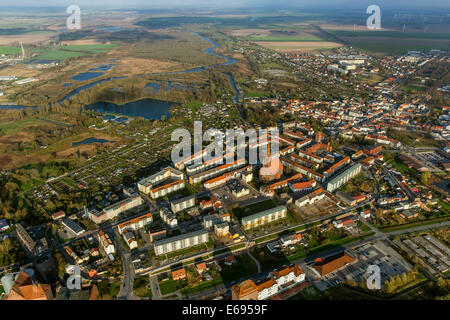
{"x": 433, "y": 157}
{"x": 228, "y": 199}
{"x": 378, "y": 253}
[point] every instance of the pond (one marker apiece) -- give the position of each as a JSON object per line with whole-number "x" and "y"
{"x": 87, "y": 76}
{"x": 145, "y": 108}
{"x": 90, "y": 140}
{"x": 14, "y": 107}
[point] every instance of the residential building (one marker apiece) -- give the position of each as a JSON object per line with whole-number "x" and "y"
{"x": 264, "y": 217}
{"x": 221, "y": 229}
{"x": 105, "y": 242}
{"x": 244, "y": 173}
{"x": 129, "y": 238}
{"x": 246, "y": 290}
{"x": 25, "y": 239}
{"x": 157, "y": 234}
{"x": 288, "y": 275}
{"x": 182, "y": 204}
{"x": 208, "y": 174}
{"x": 168, "y": 217}
{"x": 58, "y": 215}
{"x": 343, "y": 177}
{"x": 166, "y": 181}
{"x": 302, "y": 186}
{"x": 136, "y": 223}
{"x": 181, "y": 242}
{"x": 179, "y": 274}
{"x": 113, "y": 211}
{"x": 310, "y": 198}
{"x": 279, "y": 280}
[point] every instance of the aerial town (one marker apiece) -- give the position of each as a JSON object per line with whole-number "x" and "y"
{"x": 93, "y": 206}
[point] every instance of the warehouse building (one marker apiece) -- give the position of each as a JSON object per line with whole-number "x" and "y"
{"x": 72, "y": 226}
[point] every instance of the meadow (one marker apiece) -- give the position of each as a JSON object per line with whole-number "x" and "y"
{"x": 70, "y": 51}
{"x": 392, "y": 42}
{"x": 286, "y": 38}
{"x": 9, "y": 50}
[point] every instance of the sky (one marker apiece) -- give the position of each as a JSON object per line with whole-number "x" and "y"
{"x": 156, "y": 4}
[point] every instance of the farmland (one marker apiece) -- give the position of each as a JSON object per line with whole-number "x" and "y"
{"x": 392, "y": 42}
{"x": 70, "y": 51}
{"x": 9, "y": 50}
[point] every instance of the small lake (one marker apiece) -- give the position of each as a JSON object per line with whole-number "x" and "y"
{"x": 154, "y": 86}
{"x": 14, "y": 107}
{"x": 87, "y": 76}
{"x": 90, "y": 140}
{"x": 90, "y": 85}
{"x": 103, "y": 67}
{"x": 146, "y": 108}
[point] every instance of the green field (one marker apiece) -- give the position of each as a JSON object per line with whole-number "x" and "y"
{"x": 167, "y": 286}
{"x": 60, "y": 55}
{"x": 14, "y": 127}
{"x": 397, "y": 46}
{"x": 393, "y": 42}
{"x": 9, "y": 50}
{"x": 285, "y": 39}
{"x": 94, "y": 48}
{"x": 391, "y": 34}
{"x": 70, "y": 51}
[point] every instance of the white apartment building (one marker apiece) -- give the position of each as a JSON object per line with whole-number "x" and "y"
{"x": 136, "y": 223}
{"x": 106, "y": 243}
{"x": 182, "y": 204}
{"x": 168, "y": 217}
{"x": 181, "y": 242}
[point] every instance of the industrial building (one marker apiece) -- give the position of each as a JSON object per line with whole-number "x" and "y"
{"x": 72, "y": 226}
